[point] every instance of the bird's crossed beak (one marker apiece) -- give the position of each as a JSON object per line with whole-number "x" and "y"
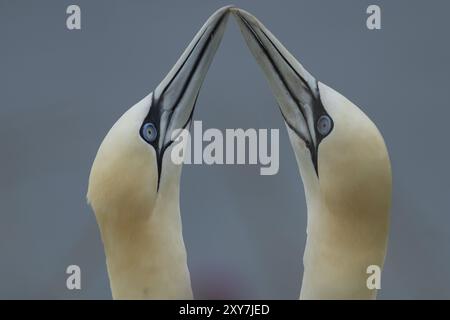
{"x": 295, "y": 89}
{"x": 173, "y": 101}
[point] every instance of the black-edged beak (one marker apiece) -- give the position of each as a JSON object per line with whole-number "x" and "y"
{"x": 173, "y": 101}
{"x": 295, "y": 89}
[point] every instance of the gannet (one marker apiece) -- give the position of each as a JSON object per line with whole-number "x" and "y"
{"x": 344, "y": 166}
{"x": 134, "y": 185}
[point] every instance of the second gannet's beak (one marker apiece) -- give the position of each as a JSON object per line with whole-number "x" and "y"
{"x": 295, "y": 89}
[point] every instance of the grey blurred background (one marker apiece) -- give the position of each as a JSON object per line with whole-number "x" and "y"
{"x": 61, "y": 91}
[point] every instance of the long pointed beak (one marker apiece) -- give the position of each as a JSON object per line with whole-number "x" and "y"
{"x": 295, "y": 89}
{"x": 174, "y": 98}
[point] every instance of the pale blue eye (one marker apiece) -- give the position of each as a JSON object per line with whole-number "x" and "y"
{"x": 149, "y": 132}
{"x": 324, "y": 125}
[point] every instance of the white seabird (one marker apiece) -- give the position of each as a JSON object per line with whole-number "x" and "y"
{"x": 134, "y": 185}
{"x": 345, "y": 168}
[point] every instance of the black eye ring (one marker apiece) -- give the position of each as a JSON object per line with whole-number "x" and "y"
{"x": 149, "y": 132}
{"x": 324, "y": 125}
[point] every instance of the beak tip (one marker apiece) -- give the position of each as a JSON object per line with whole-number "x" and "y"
{"x": 226, "y": 9}
{"x": 244, "y": 18}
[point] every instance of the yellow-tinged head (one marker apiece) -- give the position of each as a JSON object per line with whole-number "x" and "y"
{"x": 133, "y": 162}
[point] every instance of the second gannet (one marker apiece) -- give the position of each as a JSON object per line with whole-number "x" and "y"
{"x": 345, "y": 168}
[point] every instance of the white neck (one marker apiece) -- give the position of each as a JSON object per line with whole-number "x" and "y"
{"x": 344, "y": 238}
{"x": 339, "y": 248}
{"x": 145, "y": 252}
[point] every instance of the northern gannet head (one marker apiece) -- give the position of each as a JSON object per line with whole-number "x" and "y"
{"x": 340, "y": 152}
{"x": 133, "y": 162}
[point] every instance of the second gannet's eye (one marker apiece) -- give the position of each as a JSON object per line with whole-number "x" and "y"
{"x": 149, "y": 132}
{"x": 324, "y": 125}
